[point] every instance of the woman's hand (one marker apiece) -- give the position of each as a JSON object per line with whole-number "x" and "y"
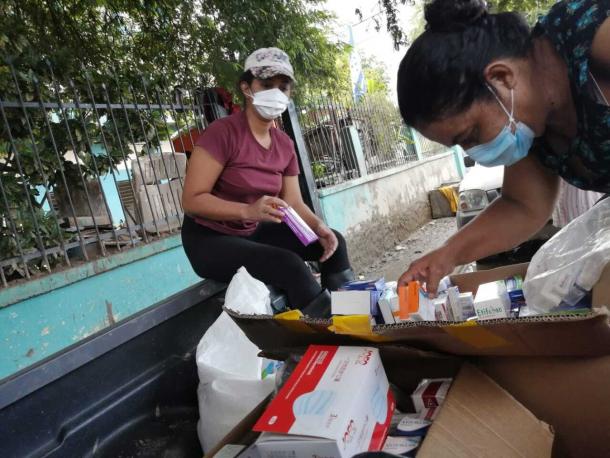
{"x": 265, "y": 209}
{"x": 430, "y": 269}
{"x": 328, "y": 240}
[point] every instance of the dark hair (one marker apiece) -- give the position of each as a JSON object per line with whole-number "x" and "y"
{"x": 246, "y": 76}
{"x": 442, "y": 72}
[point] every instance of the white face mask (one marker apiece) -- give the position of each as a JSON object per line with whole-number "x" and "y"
{"x": 269, "y": 103}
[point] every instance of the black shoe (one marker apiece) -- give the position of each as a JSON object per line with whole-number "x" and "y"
{"x": 319, "y": 307}
{"x": 333, "y": 282}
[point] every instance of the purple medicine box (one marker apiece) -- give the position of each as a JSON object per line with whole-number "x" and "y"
{"x": 298, "y": 226}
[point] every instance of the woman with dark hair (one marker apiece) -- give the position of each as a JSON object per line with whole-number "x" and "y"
{"x": 535, "y": 102}
{"x": 241, "y": 171}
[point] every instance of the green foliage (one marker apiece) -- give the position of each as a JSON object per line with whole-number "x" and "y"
{"x": 132, "y": 50}
{"x": 383, "y": 123}
{"x": 375, "y": 72}
{"x": 319, "y": 170}
{"x": 531, "y": 9}
{"x": 176, "y": 42}
{"x": 27, "y": 227}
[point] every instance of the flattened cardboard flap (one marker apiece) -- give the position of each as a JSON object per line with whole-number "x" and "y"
{"x": 471, "y": 281}
{"x": 569, "y": 393}
{"x": 480, "y": 419}
{"x": 601, "y": 292}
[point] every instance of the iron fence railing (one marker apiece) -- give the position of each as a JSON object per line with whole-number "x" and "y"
{"x": 348, "y": 139}
{"x": 89, "y": 168}
{"x": 428, "y": 148}
{"x": 92, "y": 166}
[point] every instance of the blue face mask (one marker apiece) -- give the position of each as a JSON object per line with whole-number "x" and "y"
{"x": 508, "y": 147}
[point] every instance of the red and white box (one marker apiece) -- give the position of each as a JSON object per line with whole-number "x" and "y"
{"x": 336, "y": 403}
{"x": 430, "y": 393}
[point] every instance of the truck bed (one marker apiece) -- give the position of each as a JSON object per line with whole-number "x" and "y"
{"x": 127, "y": 391}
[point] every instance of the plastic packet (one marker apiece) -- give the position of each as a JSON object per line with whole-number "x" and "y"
{"x": 565, "y": 269}
{"x": 300, "y": 228}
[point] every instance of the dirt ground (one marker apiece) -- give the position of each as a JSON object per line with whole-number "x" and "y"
{"x": 394, "y": 262}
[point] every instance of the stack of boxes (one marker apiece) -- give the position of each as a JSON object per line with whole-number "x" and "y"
{"x": 386, "y": 303}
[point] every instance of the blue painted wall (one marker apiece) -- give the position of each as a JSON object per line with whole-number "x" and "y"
{"x": 37, "y": 327}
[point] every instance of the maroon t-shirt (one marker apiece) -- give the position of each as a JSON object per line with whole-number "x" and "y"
{"x": 250, "y": 170}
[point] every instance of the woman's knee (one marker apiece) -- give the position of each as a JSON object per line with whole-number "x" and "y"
{"x": 203, "y": 267}
{"x": 289, "y": 261}
{"x": 342, "y": 243}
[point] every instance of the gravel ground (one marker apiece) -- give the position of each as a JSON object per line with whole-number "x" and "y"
{"x": 393, "y": 263}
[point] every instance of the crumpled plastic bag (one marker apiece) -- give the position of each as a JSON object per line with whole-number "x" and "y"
{"x": 571, "y": 262}
{"x": 247, "y": 295}
{"x": 232, "y": 378}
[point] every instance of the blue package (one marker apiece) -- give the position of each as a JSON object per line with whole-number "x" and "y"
{"x": 514, "y": 288}
{"x": 376, "y": 288}
{"x": 412, "y": 425}
{"x": 401, "y": 445}
{"x": 583, "y": 304}
{"x": 365, "y": 285}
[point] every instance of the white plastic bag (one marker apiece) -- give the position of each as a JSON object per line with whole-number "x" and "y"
{"x": 232, "y": 378}
{"x": 571, "y": 262}
{"x": 247, "y": 295}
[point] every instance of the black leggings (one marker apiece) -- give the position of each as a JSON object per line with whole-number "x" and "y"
{"x": 273, "y": 255}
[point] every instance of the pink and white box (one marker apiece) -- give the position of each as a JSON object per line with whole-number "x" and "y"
{"x": 336, "y": 403}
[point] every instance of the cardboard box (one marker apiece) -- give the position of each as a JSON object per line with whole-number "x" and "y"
{"x": 466, "y": 305}
{"x": 350, "y": 302}
{"x": 478, "y": 417}
{"x": 375, "y": 288}
{"x": 558, "y": 367}
{"x": 430, "y": 393}
{"x": 414, "y": 305}
{"x": 336, "y": 403}
{"x": 389, "y": 307}
{"x": 570, "y": 394}
{"x": 492, "y": 301}
{"x": 401, "y": 445}
{"x": 560, "y": 335}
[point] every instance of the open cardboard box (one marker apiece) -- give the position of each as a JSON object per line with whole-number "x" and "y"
{"x": 556, "y": 335}
{"x": 497, "y": 407}
{"x": 558, "y": 367}
{"x": 477, "y": 419}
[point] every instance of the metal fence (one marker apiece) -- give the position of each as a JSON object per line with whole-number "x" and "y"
{"x": 428, "y": 148}
{"x": 348, "y": 139}
{"x": 93, "y": 166}
{"x": 89, "y": 168}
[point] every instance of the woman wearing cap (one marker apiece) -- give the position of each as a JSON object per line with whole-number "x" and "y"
{"x": 535, "y": 102}
{"x": 241, "y": 170}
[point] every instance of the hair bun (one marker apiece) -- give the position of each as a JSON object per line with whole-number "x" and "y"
{"x": 453, "y": 15}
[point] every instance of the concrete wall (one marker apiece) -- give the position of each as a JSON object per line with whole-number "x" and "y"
{"x": 50, "y": 314}
{"x": 377, "y": 212}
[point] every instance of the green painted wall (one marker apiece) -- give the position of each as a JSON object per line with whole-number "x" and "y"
{"x": 35, "y": 328}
